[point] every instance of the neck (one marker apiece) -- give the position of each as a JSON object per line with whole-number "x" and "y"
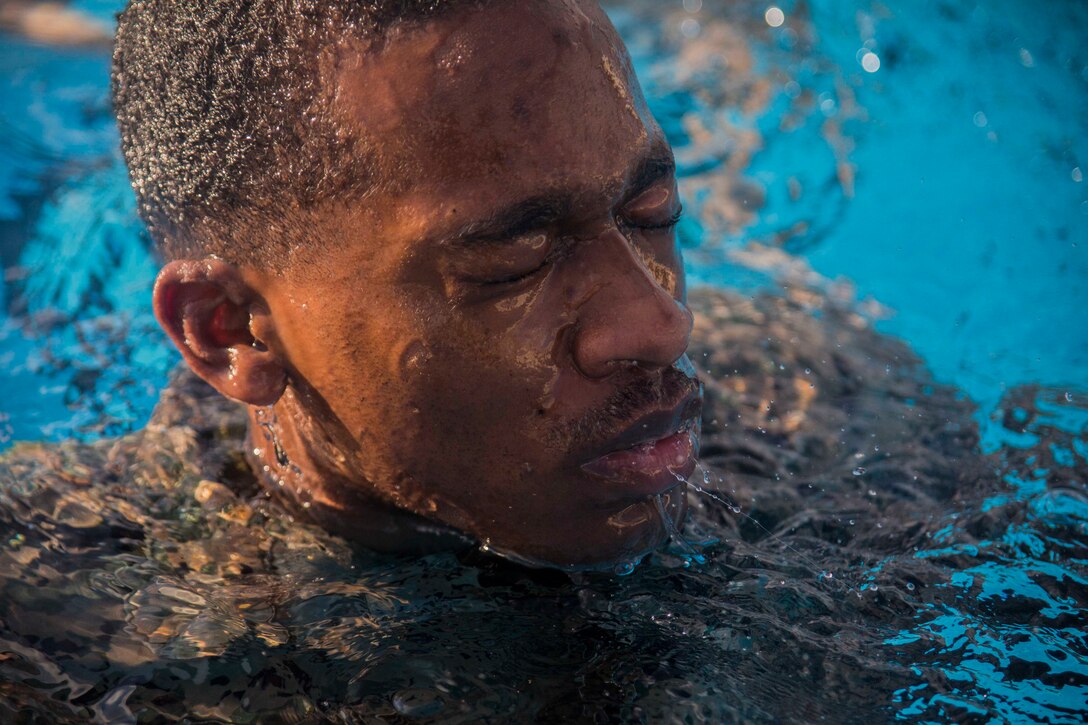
{"x": 317, "y": 486}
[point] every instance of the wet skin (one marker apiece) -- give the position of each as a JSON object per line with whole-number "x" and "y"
{"x": 492, "y": 341}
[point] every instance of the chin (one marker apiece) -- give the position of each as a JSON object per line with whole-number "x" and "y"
{"x": 617, "y": 544}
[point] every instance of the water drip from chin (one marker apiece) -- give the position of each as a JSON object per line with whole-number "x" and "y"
{"x": 688, "y": 551}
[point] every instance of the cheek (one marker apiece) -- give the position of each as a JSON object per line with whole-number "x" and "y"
{"x": 478, "y": 394}
{"x": 432, "y": 394}
{"x": 369, "y": 368}
{"x": 503, "y": 354}
{"x": 485, "y": 382}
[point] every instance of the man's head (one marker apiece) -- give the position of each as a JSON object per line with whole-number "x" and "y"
{"x": 445, "y": 257}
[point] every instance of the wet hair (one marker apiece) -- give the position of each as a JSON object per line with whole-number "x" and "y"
{"x": 226, "y": 128}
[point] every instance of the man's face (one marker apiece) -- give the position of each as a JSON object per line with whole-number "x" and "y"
{"x": 494, "y": 338}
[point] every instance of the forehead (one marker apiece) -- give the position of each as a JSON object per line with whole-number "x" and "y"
{"x": 503, "y": 100}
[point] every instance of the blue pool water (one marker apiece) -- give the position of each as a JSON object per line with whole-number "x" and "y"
{"x": 970, "y": 218}
{"x": 921, "y": 162}
{"x": 968, "y": 213}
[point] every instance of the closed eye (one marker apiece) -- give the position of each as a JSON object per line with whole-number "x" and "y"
{"x": 667, "y": 224}
{"x": 512, "y": 278}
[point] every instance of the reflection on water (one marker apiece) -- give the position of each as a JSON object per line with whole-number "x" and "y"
{"x": 864, "y": 558}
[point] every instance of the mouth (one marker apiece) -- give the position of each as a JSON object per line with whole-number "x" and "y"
{"x": 654, "y": 454}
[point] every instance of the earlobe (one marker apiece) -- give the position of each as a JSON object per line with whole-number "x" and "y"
{"x": 210, "y": 312}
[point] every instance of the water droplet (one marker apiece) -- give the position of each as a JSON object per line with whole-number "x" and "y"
{"x": 910, "y": 587}
{"x": 774, "y": 16}
{"x": 690, "y": 27}
{"x": 859, "y": 471}
{"x": 1069, "y": 397}
{"x": 870, "y": 62}
{"x": 690, "y": 552}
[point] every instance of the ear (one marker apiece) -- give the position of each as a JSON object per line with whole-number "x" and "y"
{"x": 211, "y": 313}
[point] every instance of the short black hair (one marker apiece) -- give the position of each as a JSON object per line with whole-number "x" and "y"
{"x": 224, "y": 123}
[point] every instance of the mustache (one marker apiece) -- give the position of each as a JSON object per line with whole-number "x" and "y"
{"x": 640, "y": 395}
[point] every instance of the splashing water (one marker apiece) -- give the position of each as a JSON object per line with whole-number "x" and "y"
{"x": 703, "y": 473}
{"x": 689, "y": 552}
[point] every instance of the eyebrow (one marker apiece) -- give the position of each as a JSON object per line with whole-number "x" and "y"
{"x": 538, "y": 212}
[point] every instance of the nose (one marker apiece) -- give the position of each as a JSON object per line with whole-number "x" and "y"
{"x": 629, "y": 318}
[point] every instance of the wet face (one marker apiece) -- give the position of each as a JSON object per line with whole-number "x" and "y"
{"x": 494, "y": 338}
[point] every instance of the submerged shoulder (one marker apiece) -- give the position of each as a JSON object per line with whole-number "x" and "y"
{"x": 95, "y": 503}
{"x": 128, "y": 555}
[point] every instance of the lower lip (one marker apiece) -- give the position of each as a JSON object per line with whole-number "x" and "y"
{"x": 650, "y": 468}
